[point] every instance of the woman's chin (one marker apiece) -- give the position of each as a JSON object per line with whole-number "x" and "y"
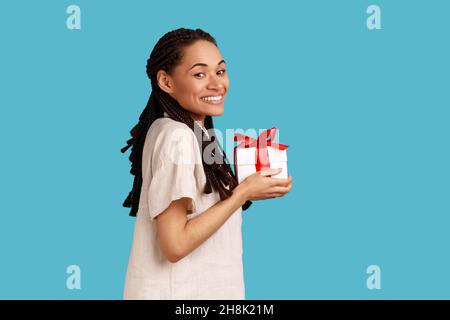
{"x": 214, "y": 111}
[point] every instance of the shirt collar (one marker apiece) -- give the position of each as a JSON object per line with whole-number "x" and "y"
{"x": 166, "y": 115}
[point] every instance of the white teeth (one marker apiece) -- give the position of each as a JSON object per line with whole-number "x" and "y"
{"x": 212, "y": 98}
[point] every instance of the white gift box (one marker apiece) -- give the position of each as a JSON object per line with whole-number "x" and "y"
{"x": 245, "y": 161}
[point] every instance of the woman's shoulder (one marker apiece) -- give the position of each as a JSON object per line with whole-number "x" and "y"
{"x": 172, "y": 139}
{"x": 167, "y": 129}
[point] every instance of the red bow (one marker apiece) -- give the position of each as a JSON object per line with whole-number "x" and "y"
{"x": 261, "y": 144}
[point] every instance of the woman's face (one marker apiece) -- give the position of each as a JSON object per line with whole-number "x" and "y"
{"x": 200, "y": 82}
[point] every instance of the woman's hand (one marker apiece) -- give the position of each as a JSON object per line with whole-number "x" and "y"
{"x": 259, "y": 185}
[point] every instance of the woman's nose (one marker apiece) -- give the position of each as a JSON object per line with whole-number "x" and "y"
{"x": 216, "y": 84}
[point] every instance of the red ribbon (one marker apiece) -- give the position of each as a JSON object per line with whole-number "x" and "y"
{"x": 261, "y": 144}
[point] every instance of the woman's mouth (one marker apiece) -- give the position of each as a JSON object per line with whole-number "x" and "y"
{"x": 212, "y": 99}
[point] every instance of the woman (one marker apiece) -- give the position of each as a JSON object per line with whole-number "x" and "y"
{"x": 187, "y": 238}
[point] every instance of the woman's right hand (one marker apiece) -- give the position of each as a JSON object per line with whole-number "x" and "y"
{"x": 259, "y": 185}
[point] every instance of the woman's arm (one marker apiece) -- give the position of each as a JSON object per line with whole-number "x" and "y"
{"x": 179, "y": 236}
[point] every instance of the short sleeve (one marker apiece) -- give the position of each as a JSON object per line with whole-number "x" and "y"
{"x": 174, "y": 174}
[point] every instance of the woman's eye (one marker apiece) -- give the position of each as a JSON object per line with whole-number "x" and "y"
{"x": 221, "y": 72}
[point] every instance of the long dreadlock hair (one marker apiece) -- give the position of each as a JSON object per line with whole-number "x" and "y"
{"x": 166, "y": 55}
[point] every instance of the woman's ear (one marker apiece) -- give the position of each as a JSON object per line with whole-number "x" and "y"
{"x": 164, "y": 81}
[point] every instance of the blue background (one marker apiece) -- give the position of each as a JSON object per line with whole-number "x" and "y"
{"x": 365, "y": 113}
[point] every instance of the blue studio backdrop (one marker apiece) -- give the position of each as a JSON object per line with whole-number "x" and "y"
{"x": 364, "y": 110}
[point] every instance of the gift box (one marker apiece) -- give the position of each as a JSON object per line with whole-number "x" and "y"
{"x": 253, "y": 155}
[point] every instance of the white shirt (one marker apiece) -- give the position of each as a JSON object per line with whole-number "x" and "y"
{"x": 213, "y": 270}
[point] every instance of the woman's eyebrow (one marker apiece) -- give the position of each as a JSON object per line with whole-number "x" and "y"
{"x": 205, "y": 65}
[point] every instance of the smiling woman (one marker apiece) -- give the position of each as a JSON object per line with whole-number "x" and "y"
{"x": 199, "y": 82}
{"x": 187, "y": 238}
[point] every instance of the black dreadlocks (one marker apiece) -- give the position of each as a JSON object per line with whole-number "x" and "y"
{"x": 166, "y": 54}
